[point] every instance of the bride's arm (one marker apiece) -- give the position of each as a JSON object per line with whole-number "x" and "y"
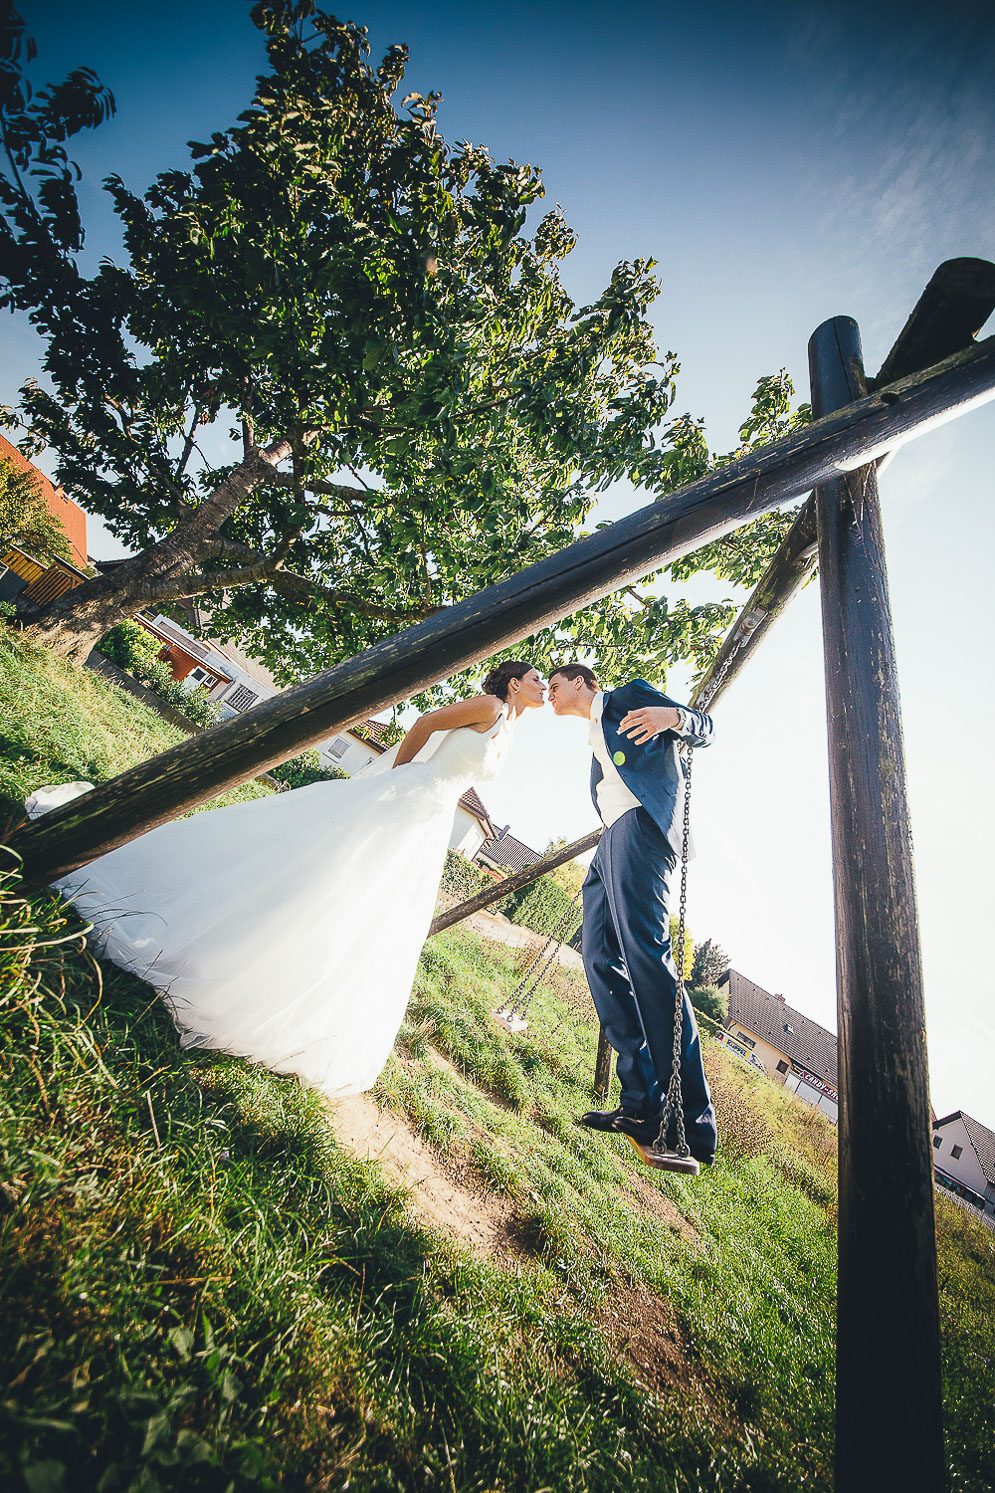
{"x": 479, "y": 710}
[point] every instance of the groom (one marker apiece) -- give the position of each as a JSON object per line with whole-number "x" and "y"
{"x": 637, "y": 787}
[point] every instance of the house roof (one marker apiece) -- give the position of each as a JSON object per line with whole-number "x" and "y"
{"x": 808, "y": 1044}
{"x": 981, "y": 1137}
{"x": 508, "y": 852}
{"x": 374, "y": 733}
{"x": 473, "y": 803}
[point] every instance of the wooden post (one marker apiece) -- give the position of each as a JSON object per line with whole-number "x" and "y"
{"x": 197, "y": 770}
{"x": 603, "y": 1065}
{"x": 888, "y": 1393}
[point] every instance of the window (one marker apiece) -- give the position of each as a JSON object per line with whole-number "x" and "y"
{"x": 782, "y": 1067}
{"x": 241, "y": 698}
{"x": 338, "y": 747}
{"x": 742, "y": 1037}
{"x": 198, "y": 674}
{"x": 937, "y": 1142}
{"x": 957, "y": 1152}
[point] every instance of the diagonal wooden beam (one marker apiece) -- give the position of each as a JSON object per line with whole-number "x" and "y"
{"x": 503, "y": 614}
{"x": 514, "y": 883}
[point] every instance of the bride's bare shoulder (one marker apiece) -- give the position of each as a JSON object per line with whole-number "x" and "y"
{"x": 487, "y": 711}
{"x": 479, "y": 711}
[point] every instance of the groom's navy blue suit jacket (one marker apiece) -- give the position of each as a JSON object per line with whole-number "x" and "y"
{"x": 654, "y": 772}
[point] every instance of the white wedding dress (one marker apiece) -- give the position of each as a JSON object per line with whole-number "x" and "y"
{"x": 287, "y": 929}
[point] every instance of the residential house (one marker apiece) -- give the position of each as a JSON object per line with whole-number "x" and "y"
{"x": 964, "y": 1158}
{"x": 790, "y": 1047}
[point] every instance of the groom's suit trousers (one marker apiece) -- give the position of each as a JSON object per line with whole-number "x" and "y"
{"x": 630, "y": 969}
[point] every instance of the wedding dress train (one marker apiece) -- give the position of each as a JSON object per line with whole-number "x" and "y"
{"x": 287, "y": 929}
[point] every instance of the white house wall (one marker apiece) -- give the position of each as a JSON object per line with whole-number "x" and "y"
{"x": 965, "y": 1168}
{"x": 466, "y": 835}
{"x": 356, "y": 756}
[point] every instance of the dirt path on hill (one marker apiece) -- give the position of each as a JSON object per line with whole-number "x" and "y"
{"x": 435, "y": 1197}
{"x": 641, "y": 1325}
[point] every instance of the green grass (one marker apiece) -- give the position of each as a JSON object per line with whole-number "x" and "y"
{"x": 59, "y": 724}
{"x": 199, "y": 1289}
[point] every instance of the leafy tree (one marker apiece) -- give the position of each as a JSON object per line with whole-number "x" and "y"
{"x": 25, "y": 519}
{"x": 300, "y": 771}
{"x": 710, "y": 963}
{"x": 335, "y": 386}
{"x": 570, "y": 876}
{"x": 710, "y": 1001}
{"x": 131, "y": 646}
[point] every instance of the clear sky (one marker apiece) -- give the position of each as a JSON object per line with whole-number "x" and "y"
{"x": 784, "y": 163}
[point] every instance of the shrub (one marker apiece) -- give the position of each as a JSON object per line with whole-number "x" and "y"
{"x": 298, "y": 772}
{"x": 542, "y": 905}
{"x": 159, "y": 677}
{"x": 711, "y": 1001}
{"x": 130, "y": 646}
{"x": 200, "y": 709}
{"x": 462, "y": 878}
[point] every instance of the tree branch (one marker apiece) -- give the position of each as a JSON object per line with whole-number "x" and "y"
{"x": 188, "y": 443}
{"x": 301, "y": 589}
{"x": 319, "y": 486}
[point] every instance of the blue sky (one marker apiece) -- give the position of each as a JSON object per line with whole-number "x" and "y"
{"x": 784, "y": 164}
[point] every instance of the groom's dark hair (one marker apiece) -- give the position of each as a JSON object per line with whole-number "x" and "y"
{"x": 576, "y": 671}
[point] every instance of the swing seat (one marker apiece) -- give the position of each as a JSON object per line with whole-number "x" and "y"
{"x": 665, "y": 1161}
{"x": 509, "y": 1020}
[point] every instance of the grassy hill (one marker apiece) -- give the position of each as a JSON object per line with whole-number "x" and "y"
{"x": 204, "y": 1284}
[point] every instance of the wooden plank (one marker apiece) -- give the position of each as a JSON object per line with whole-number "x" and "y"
{"x": 503, "y": 614}
{"x": 889, "y": 1411}
{"x": 514, "y": 883}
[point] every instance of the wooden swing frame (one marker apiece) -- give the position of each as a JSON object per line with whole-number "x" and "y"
{"x": 889, "y": 1407}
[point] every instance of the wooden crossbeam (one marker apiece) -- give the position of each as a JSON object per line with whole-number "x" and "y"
{"x": 503, "y": 614}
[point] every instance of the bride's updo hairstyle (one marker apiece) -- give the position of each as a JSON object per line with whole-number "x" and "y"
{"x": 499, "y": 680}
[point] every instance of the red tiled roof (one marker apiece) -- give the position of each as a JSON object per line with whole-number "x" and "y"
{"x": 374, "y": 733}
{"x": 472, "y": 802}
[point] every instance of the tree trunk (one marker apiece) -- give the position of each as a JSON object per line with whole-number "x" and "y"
{"x": 74, "y": 622}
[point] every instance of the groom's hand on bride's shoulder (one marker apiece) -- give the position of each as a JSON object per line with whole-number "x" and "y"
{"x": 652, "y": 720}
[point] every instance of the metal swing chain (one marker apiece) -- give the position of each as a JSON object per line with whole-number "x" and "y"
{"x": 673, "y": 1103}
{"x": 536, "y": 968}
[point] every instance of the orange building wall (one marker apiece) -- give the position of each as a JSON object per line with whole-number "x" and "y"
{"x": 70, "y": 515}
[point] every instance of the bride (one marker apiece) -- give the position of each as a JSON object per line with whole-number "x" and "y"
{"x": 287, "y": 929}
